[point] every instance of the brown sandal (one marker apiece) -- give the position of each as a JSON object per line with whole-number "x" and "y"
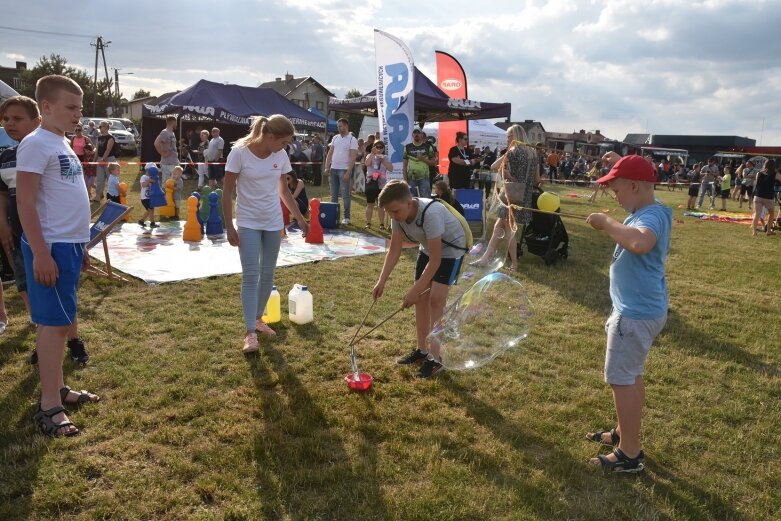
{"x": 596, "y": 437}
{"x": 48, "y": 426}
{"x": 84, "y": 396}
{"x": 623, "y": 462}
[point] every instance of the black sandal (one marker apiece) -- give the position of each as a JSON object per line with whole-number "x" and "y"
{"x": 84, "y": 396}
{"x": 597, "y": 437}
{"x": 623, "y": 462}
{"x": 47, "y": 425}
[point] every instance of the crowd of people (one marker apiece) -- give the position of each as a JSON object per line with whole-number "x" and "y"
{"x": 45, "y": 224}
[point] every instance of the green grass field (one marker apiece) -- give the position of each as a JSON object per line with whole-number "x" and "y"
{"x": 189, "y": 428}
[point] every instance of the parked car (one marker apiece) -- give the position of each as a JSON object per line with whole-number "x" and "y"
{"x": 125, "y": 140}
{"x": 129, "y": 126}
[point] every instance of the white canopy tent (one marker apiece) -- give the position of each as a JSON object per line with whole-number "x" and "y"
{"x": 481, "y": 133}
{"x": 369, "y": 126}
{"x": 6, "y": 91}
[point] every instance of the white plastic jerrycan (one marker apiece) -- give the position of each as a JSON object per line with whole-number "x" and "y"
{"x": 300, "y": 305}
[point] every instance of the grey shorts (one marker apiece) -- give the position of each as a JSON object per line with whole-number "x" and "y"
{"x": 628, "y": 343}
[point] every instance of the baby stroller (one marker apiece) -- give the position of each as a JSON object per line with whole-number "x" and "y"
{"x": 545, "y": 236}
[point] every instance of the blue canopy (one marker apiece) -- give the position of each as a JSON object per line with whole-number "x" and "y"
{"x": 431, "y": 104}
{"x": 233, "y": 104}
{"x": 331, "y": 122}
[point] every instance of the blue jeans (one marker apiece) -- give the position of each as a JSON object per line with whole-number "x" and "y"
{"x": 258, "y": 251}
{"x": 420, "y": 187}
{"x": 340, "y": 185}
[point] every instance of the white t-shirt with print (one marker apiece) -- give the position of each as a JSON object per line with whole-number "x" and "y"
{"x": 144, "y": 189}
{"x": 63, "y": 202}
{"x": 342, "y": 146}
{"x": 257, "y": 188}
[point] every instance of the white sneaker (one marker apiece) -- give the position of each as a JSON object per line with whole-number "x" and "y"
{"x": 250, "y": 343}
{"x": 345, "y": 221}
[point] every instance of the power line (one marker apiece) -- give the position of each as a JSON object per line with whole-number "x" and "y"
{"x": 44, "y": 32}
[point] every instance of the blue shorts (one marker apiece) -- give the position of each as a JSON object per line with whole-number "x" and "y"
{"x": 446, "y": 274}
{"x": 56, "y": 305}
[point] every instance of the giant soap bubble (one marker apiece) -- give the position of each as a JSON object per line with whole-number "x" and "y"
{"x": 489, "y": 252}
{"x": 489, "y": 318}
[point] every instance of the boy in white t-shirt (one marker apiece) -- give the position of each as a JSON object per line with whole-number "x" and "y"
{"x": 54, "y": 211}
{"x": 149, "y": 213}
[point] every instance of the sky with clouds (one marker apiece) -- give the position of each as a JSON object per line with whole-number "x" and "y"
{"x": 621, "y": 66}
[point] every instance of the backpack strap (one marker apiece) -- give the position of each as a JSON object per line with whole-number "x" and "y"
{"x": 464, "y": 226}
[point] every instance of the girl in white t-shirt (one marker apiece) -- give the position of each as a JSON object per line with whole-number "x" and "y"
{"x": 256, "y": 169}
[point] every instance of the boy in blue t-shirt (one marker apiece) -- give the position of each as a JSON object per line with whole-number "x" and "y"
{"x": 638, "y": 290}
{"x": 113, "y": 182}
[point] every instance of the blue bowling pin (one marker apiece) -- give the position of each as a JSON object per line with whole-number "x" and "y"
{"x": 214, "y": 223}
{"x": 156, "y": 193}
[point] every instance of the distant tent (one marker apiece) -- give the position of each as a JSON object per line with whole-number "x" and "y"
{"x": 431, "y": 104}
{"x": 229, "y": 107}
{"x": 481, "y": 133}
{"x": 331, "y": 122}
{"x": 6, "y": 91}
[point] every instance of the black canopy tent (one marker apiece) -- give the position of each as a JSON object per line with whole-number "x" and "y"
{"x": 229, "y": 107}
{"x": 431, "y": 104}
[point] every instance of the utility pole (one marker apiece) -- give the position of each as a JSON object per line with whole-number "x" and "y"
{"x": 100, "y": 46}
{"x": 95, "y": 81}
{"x": 116, "y": 86}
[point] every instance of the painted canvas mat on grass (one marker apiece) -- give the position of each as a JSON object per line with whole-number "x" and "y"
{"x": 160, "y": 255}
{"x": 723, "y": 217}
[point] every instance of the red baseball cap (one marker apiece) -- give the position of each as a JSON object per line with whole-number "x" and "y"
{"x": 634, "y": 167}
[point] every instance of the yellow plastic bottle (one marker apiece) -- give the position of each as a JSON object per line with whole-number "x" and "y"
{"x": 273, "y": 311}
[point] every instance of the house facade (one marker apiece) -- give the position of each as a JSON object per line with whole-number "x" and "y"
{"x": 306, "y": 92}
{"x": 12, "y": 76}
{"x": 535, "y": 132}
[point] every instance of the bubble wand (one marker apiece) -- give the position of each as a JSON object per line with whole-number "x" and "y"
{"x": 560, "y": 214}
{"x": 353, "y": 361}
{"x": 358, "y": 381}
{"x": 402, "y": 308}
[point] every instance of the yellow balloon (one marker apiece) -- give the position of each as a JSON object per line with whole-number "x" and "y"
{"x": 548, "y": 202}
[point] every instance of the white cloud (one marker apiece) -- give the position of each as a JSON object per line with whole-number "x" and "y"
{"x": 14, "y": 56}
{"x": 658, "y": 34}
{"x": 674, "y": 66}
